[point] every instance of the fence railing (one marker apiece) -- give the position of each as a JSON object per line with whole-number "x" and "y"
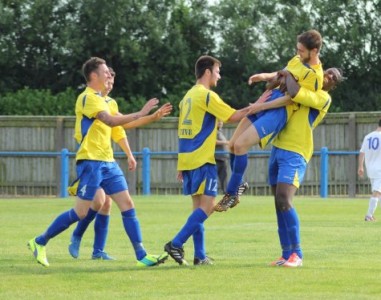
{"x": 146, "y": 154}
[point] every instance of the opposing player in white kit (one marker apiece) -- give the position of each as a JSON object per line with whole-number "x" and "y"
{"x": 371, "y": 152}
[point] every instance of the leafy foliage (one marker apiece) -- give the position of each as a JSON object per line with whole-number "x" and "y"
{"x": 38, "y": 102}
{"x": 153, "y": 45}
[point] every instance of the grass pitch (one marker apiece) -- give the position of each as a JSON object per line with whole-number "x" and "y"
{"x": 341, "y": 253}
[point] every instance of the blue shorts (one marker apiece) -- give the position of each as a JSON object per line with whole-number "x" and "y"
{"x": 201, "y": 181}
{"x": 270, "y": 122}
{"x": 286, "y": 167}
{"x": 92, "y": 175}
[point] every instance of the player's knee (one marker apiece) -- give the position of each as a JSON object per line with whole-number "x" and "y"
{"x": 81, "y": 213}
{"x": 123, "y": 200}
{"x": 283, "y": 203}
{"x": 106, "y": 207}
{"x": 241, "y": 146}
{"x": 97, "y": 204}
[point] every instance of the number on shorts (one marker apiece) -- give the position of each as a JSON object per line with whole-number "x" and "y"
{"x": 83, "y": 190}
{"x": 212, "y": 186}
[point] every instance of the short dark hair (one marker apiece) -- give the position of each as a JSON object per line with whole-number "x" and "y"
{"x": 91, "y": 65}
{"x": 112, "y": 72}
{"x": 311, "y": 39}
{"x": 204, "y": 63}
{"x": 337, "y": 76}
{"x": 337, "y": 73}
{"x": 379, "y": 123}
{"x": 340, "y": 75}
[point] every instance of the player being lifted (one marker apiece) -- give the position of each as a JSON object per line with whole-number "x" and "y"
{"x": 262, "y": 127}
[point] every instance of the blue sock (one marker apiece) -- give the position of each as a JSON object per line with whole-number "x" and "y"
{"x": 197, "y": 217}
{"x": 239, "y": 167}
{"x": 61, "y": 223}
{"x": 84, "y": 223}
{"x": 283, "y": 236}
{"x": 199, "y": 242}
{"x": 232, "y": 158}
{"x": 292, "y": 222}
{"x": 132, "y": 227}
{"x": 100, "y": 232}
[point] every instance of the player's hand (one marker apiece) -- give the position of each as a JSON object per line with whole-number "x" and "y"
{"x": 132, "y": 163}
{"x": 179, "y": 176}
{"x": 255, "y": 78}
{"x": 163, "y": 111}
{"x": 360, "y": 172}
{"x": 254, "y": 108}
{"x": 150, "y": 105}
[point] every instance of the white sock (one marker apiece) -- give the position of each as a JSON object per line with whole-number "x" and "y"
{"x": 372, "y": 206}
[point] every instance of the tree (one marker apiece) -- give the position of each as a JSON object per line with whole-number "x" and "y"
{"x": 351, "y": 31}
{"x": 254, "y": 38}
{"x": 153, "y": 45}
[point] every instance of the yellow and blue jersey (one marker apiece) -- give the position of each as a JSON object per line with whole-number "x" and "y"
{"x": 308, "y": 76}
{"x": 197, "y": 130}
{"x": 92, "y": 135}
{"x": 270, "y": 122}
{"x": 297, "y": 135}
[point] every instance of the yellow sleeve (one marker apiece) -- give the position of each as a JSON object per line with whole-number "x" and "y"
{"x": 217, "y": 107}
{"x": 118, "y": 133}
{"x": 318, "y": 100}
{"x": 93, "y": 104}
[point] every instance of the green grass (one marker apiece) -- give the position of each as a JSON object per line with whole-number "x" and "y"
{"x": 341, "y": 253}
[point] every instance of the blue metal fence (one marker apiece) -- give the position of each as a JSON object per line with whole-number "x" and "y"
{"x": 146, "y": 154}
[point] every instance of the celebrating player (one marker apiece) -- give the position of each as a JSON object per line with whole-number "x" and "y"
{"x": 200, "y": 110}
{"x": 96, "y": 167}
{"x": 101, "y": 205}
{"x": 292, "y": 150}
{"x": 261, "y": 128}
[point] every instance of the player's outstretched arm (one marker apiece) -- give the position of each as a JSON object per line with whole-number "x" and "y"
{"x": 150, "y": 105}
{"x": 279, "y": 102}
{"x": 163, "y": 111}
{"x": 119, "y": 119}
{"x": 243, "y": 112}
{"x": 261, "y": 77}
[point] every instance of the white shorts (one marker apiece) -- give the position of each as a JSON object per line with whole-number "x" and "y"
{"x": 376, "y": 184}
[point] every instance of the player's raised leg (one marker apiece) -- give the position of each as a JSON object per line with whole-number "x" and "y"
{"x": 240, "y": 146}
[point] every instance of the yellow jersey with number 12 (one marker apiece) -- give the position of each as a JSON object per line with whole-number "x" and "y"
{"x": 200, "y": 109}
